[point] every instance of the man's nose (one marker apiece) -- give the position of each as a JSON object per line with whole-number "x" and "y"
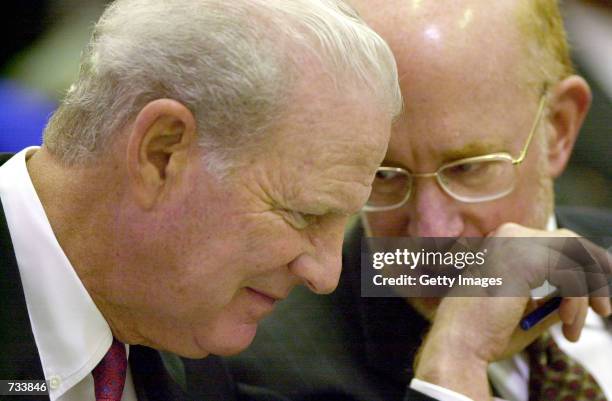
{"x": 434, "y": 213}
{"x": 320, "y": 267}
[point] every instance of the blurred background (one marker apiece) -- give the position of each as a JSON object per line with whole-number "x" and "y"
{"x": 43, "y": 40}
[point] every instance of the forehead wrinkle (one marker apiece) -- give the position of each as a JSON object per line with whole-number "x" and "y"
{"x": 339, "y": 188}
{"x": 332, "y": 178}
{"x": 337, "y": 196}
{"x": 354, "y": 162}
{"x": 362, "y": 150}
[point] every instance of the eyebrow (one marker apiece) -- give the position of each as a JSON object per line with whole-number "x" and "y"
{"x": 328, "y": 208}
{"x": 477, "y": 148}
{"x": 342, "y": 202}
{"x": 471, "y": 149}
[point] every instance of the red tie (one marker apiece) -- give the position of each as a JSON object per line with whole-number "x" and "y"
{"x": 109, "y": 375}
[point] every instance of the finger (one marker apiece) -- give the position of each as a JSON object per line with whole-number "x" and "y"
{"x": 601, "y": 306}
{"x": 599, "y": 255}
{"x": 543, "y": 326}
{"x": 569, "y": 310}
{"x": 579, "y": 257}
{"x": 534, "y": 304}
{"x": 572, "y": 331}
{"x": 521, "y": 338}
{"x": 584, "y": 252}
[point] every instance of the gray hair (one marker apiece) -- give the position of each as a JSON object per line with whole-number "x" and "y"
{"x": 232, "y": 63}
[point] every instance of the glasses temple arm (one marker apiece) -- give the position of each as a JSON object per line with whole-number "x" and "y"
{"x": 533, "y": 130}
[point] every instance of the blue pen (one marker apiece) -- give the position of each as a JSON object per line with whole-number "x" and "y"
{"x": 540, "y": 313}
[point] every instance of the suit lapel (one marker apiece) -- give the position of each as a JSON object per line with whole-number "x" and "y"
{"x": 151, "y": 379}
{"x": 392, "y": 330}
{"x": 4, "y": 157}
{"x": 595, "y": 224}
{"x": 157, "y": 376}
{"x": 209, "y": 379}
{"x": 20, "y": 359}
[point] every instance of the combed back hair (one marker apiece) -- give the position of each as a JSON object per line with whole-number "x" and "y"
{"x": 548, "y": 53}
{"x": 232, "y": 63}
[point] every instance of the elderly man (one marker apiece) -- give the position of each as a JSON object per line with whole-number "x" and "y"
{"x": 203, "y": 164}
{"x": 492, "y": 112}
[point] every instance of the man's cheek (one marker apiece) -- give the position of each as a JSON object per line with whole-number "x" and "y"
{"x": 386, "y": 223}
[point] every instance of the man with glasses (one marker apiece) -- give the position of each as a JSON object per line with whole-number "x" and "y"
{"x": 492, "y": 110}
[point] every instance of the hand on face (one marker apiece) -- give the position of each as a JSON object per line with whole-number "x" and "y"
{"x": 472, "y": 332}
{"x": 573, "y": 310}
{"x": 534, "y": 266}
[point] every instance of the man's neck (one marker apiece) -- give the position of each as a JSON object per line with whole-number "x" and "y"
{"x": 78, "y": 204}
{"x": 75, "y": 206}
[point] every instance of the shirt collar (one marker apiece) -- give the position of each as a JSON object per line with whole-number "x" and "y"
{"x": 71, "y": 334}
{"x": 551, "y": 224}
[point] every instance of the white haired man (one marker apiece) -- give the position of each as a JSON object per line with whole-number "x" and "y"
{"x": 202, "y": 165}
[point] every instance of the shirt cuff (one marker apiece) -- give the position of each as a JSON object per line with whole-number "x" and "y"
{"x": 437, "y": 392}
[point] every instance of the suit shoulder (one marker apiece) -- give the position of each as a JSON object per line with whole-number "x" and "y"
{"x": 586, "y": 221}
{"x": 4, "y": 157}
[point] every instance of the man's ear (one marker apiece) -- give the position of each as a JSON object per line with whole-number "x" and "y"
{"x": 569, "y": 104}
{"x": 159, "y": 142}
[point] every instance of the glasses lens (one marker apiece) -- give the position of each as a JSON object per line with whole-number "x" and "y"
{"x": 478, "y": 180}
{"x": 390, "y": 187}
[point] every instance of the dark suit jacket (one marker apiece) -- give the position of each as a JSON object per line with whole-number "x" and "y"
{"x": 349, "y": 344}
{"x": 157, "y": 376}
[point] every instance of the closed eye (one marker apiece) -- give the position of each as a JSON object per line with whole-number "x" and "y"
{"x": 299, "y": 220}
{"x": 383, "y": 175}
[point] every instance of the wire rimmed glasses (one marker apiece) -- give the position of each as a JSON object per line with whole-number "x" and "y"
{"x": 471, "y": 180}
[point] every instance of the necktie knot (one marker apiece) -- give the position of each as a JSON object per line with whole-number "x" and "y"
{"x": 109, "y": 374}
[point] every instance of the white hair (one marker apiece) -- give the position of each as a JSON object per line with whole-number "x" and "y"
{"x": 232, "y": 63}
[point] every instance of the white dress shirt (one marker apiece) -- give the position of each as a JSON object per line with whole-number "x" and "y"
{"x": 70, "y": 332}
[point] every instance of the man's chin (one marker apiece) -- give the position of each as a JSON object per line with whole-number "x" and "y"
{"x": 228, "y": 342}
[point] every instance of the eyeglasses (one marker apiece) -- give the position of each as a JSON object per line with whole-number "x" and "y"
{"x": 473, "y": 179}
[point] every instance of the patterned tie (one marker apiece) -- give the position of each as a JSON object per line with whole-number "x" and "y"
{"x": 109, "y": 375}
{"x": 554, "y": 376}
